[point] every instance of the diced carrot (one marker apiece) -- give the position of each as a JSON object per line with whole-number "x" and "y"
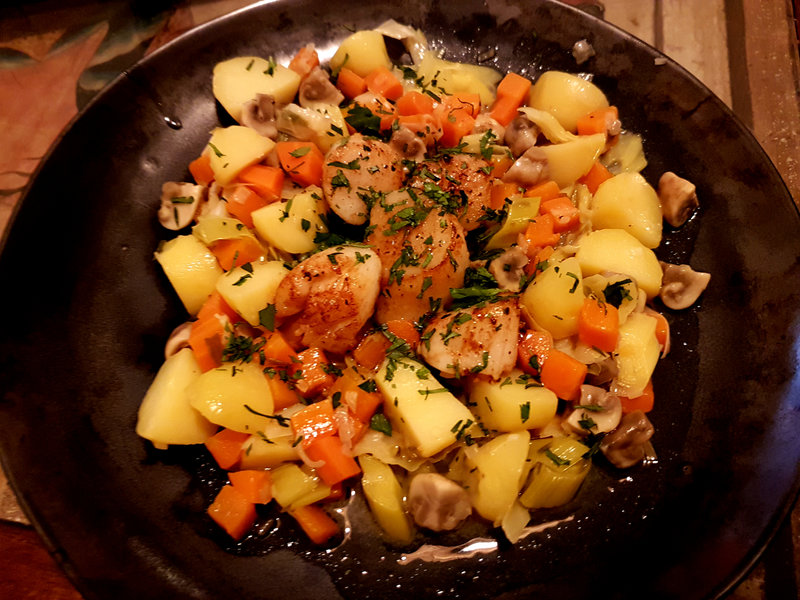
{"x": 425, "y": 126}
{"x": 304, "y": 61}
{"x": 544, "y": 191}
{"x": 350, "y": 83}
{"x": 200, "y": 168}
{"x": 311, "y": 375}
{"x": 207, "y": 341}
{"x": 302, "y": 161}
{"x": 511, "y": 93}
{"x": 532, "y": 350}
{"x": 277, "y": 351}
{"x": 598, "y": 324}
{"x": 226, "y": 447}
{"x": 662, "y": 327}
{"x": 566, "y": 215}
{"x": 644, "y": 402}
{"x": 455, "y": 125}
{"x": 216, "y": 305}
{"x": 414, "y": 103}
{"x": 360, "y": 402}
{"x": 563, "y": 374}
{"x": 502, "y": 191}
{"x": 283, "y": 394}
{"x": 467, "y": 102}
{"x": 338, "y": 465}
{"x": 236, "y": 252}
{"x": 315, "y": 522}
{"x": 337, "y": 493}
{"x": 254, "y": 484}
{"x": 537, "y": 260}
{"x": 313, "y": 421}
{"x": 597, "y": 121}
{"x": 500, "y": 163}
{"x": 371, "y": 351}
{"x": 242, "y": 201}
{"x": 233, "y": 512}
{"x": 264, "y": 180}
{"x": 405, "y": 330}
{"x": 514, "y": 86}
{"x": 504, "y": 110}
{"x": 383, "y": 82}
{"x": 540, "y": 232}
{"x": 596, "y": 175}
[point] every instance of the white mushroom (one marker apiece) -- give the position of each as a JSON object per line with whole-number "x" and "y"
{"x": 681, "y": 285}
{"x": 259, "y": 114}
{"x": 509, "y": 268}
{"x": 484, "y": 122}
{"x": 628, "y": 444}
{"x": 437, "y": 503}
{"x": 318, "y": 89}
{"x": 529, "y": 169}
{"x": 215, "y": 205}
{"x": 179, "y": 203}
{"x": 678, "y": 198}
{"x": 582, "y": 51}
{"x": 408, "y": 144}
{"x": 521, "y": 134}
{"x": 178, "y": 339}
{"x": 598, "y": 411}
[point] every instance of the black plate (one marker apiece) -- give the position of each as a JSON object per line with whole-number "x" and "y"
{"x": 86, "y": 311}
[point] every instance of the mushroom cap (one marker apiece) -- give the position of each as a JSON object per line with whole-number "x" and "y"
{"x": 627, "y": 444}
{"x": 179, "y": 204}
{"x": 681, "y": 285}
{"x": 678, "y": 198}
{"x": 597, "y": 407}
{"x": 437, "y": 503}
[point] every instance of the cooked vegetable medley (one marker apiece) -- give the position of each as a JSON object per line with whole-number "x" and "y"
{"x": 430, "y": 279}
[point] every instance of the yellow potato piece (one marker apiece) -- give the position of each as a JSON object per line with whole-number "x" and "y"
{"x": 165, "y": 415}
{"x": 362, "y": 53}
{"x": 235, "y": 396}
{"x": 555, "y": 297}
{"x": 628, "y": 202}
{"x": 191, "y": 269}
{"x": 385, "y": 498}
{"x": 235, "y": 148}
{"x": 617, "y": 251}
{"x": 250, "y": 288}
{"x": 238, "y": 80}
{"x": 567, "y": 97}
{"x": 498, "y": 476}
{"x": 512, "y": 404}
{"x": 293, "y": 224}
{"x": 568, "y": 162}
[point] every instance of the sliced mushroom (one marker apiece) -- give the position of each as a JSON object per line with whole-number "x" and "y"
{"x": 179, "y": 203}
{"x": 318, "y": 89}
{"x": 521, "y": 134}
{"x": 260, "y": 114}
{"x": 408, "y": 144}
{"x": 582, "y": 51}
{"x": 509, "y": 268}
{"x": 629, "y": 443}
{"x": 529, "y": 169}
{"x": 215, "y": 205}
{"x": 678, "y": 198}
{"x": 484, "y": 122}
{"x": 437, "y": 503}
{"x": 598, "y": 411}
{"x": 178, "y": 339}
{"x": 681, "y": 285}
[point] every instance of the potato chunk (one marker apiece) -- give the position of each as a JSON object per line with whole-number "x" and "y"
{"x": 238, "y": 80}
{"x": 628, "y": 202}
{"x": 555, "y": 297}
{"x": 618, "y": 251}
{"x": 191, "y": 269}
{"x": 235, "y": 148}
{"x": 566, "y": 96}
{"x": 165, "y": 415}
{"x": 362, "y": 52}
{"x": 513, "y": 404}
{"x": 236, "y": 396}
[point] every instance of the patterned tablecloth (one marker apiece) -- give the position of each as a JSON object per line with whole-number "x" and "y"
{"x": 55, "y": 55}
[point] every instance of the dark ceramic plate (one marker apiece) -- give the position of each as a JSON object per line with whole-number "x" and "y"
{"x": 86, "y": 312}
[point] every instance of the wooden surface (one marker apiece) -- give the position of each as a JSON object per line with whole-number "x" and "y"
{"x": 745, "y": 50}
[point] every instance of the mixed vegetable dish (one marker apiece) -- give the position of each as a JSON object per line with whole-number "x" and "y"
{"x": 423, "y": 281}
